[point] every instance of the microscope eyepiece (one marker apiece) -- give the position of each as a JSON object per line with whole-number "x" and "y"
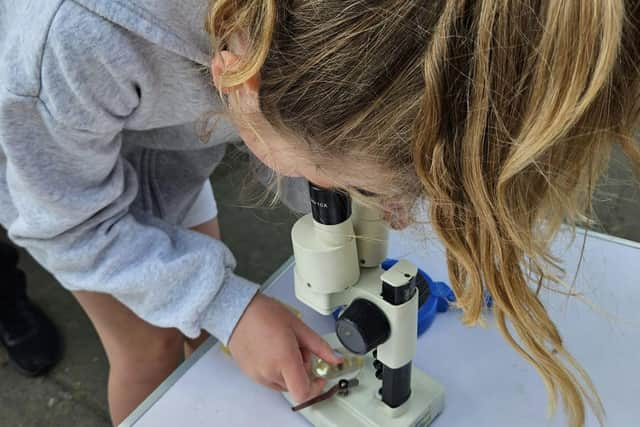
{"x": 328, "y": 206}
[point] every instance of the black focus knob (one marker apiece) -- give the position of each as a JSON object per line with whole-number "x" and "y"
{"x": 362, "y": 327}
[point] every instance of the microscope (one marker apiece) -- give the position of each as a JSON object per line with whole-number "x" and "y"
{"x": 338, "y": 250}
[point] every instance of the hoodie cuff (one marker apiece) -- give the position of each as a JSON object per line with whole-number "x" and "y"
{"x": 224, "y": 312}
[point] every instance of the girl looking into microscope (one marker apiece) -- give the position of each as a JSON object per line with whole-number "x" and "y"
{"x": 500, "y": 113}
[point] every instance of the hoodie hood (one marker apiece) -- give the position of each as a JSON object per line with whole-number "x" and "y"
{"x": 176, "y": 25}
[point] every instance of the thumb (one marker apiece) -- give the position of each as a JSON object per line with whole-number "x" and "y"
{"x": 307, "y": 338}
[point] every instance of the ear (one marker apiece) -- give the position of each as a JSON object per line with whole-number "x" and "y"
{"x": 223, "y": 61}
{"x": 228, "y": 61}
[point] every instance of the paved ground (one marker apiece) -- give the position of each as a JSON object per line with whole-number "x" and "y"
{"x": 74, "y": 394}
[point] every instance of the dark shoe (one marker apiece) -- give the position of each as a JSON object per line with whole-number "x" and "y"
{"x": 29, "y": 336}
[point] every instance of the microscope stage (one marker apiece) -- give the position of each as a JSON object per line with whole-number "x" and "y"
{"x": 363, "y": 408}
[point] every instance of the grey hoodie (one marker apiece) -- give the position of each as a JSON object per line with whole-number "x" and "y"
{"x": 100, "y": 158}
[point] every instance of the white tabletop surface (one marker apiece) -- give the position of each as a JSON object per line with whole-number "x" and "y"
{"x": 486, "y": 383}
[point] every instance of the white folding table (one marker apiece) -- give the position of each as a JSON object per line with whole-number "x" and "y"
{"x": 486, "y": 383}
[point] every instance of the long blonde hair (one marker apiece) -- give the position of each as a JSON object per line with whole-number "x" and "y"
{"x": 501, "y": 112}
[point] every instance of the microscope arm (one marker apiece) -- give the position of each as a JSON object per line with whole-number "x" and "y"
{"x": 385, "y": 321}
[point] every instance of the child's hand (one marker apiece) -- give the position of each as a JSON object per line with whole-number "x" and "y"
{"x": 273, "y": 347}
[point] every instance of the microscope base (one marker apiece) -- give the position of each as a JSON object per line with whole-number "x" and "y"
{"x": 363, "y": 408}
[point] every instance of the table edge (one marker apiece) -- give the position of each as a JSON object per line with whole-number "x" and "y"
{"x": 606, "y": 237}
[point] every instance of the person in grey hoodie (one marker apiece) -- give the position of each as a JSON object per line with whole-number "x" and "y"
{"x": 104, "y": 180}
{"x": 102, "y": 173}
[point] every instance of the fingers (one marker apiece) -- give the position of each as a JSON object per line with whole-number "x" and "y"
{"x": 309, "y": 339}
{"x": 317, "y": 386}
{"x": 277, "y": 386}
{"x": 306, "y": 359}
{"x": 296, "y": 378}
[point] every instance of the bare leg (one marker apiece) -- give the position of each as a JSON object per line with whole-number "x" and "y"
{"x": 140, "y": 355}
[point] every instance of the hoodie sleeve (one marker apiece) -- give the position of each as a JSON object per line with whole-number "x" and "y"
{"x": 72, "y": 189}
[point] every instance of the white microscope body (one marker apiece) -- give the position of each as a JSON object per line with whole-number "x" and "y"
{"x": 337, "y": 264}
